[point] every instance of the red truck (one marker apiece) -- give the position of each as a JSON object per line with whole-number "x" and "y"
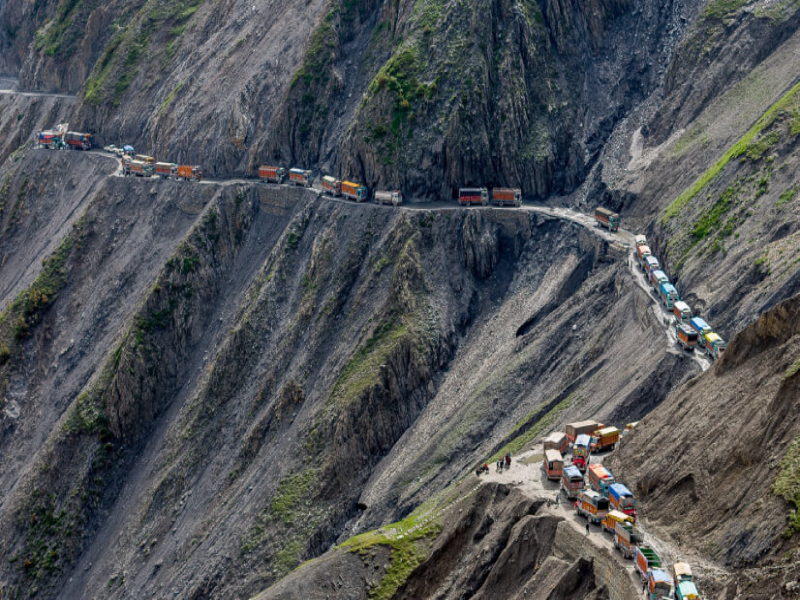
{"x": 272, "y": 174}
{"x": 506, "y": 197}
{"x": 471, "y": 196}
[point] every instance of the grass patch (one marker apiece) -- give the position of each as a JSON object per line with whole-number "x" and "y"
{"x": 735, "y": 151}
{"x": 786, "y": 196}
{"x": 710, "y": 220}
{"x": 787, "y": 483}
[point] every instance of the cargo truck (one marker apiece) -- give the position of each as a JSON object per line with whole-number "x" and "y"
{"x": 166, "y": 170}
{"x": 682, "y": 311}
{"x": 556, "y": 441}
{"x": 506, "y": 197}
{"x": 52, "y": 140}
{"x": 622, "y": 499}
{"x": 470, "y": 196}
{"x": 627, "y": 538}
{"x": 553, "y": 464}
{"x": 190, "y": 173}
{"x": 592, "y": 506}
{"x": 645, "y": 559}
{"x": 669, "y": 295}
{"x": 148, "y": 160}
{"x": 607, "y": 218}
{"x": 687, "y": 337}
{"x": 658, "y": 277}
{"x": 659, "y": 585}
{"x": 604, "y": 439}
{"x": 354, "y": 191}
{"x": 395, "y": 198}
{"x": 639, "y": 240}
{"x": 700, "y": 326}
{"x": 272, "y": 174}
{"x": 571, "y": 481}
{"x": 650, "y": 264}
{"x": 614, "y": 517}
{"x": 685, "y": 589}
{"x": 78, "y": 141}
{"x": 642, "y": 252}
{"x": 331, "y": 185}
{"x": 714, "y": 345}
{"x": 300, "y": 177}
{"x": 138, "y": 168}
{"x": 600, "y": 478}
{"x": 575, "y": 429}
{"x": 580, "y": 451}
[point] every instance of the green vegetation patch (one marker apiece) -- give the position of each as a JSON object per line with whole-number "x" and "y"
{"x": 786, "y": 197}
{"x": 738, "y": 149}
{"x": 787, "y": 483}
{"x": 58, "y": 36}
{"x": 719, "y": 10}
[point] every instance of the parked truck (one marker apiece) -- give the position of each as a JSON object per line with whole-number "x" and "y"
{"x": 645, "y": 559}
{"x": 622, "y": 499}
{"x": 553, "y": 464}
{"x": 685, "y": 589}
{"x": 190, "y": 173}
{"x": 354, "y": 191}
{"x": 658, "y": 277}
{"x": 580, "y": 451}
{"x": 51, "y": 139}
{"x": 148, "y": 160}
{"x": 571, "y": 481}
{"x": 573, "y": 430}
{"x": 331, "y": 185}
{"x": 687, "y": 337}
{"x": 138, "y": 168}
{"x": 607, "y": 218}
{"x": 612, "y": 518}
{"x": 642, "y": 252}
{"x": 600, "y": 479}
{"x": 166, "y": 170}
{"x": 506, "y": 197}
{"x": 300, "y": 177}
{"x": 682, "y": 311}
{"x": 556, "y": 441}
{"x": 78, "y": 141}
{"x": 627, "y": 538}
{"x": 592, "y": 506}
{"x": 473, "y": 196}
{"x": 714, "y": 345}
{"x": 650, "y": 264}
{"x": 394, "y": 197}
{"x": 272, "y": 174}
{"x": 669, "y": 295}
{"x": 639, "y": 240}
{"x": 659, "y": 585}
{"x": 604, "y": 439}
{"x": 700, "y": 326}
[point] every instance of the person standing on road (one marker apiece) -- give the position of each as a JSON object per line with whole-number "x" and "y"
{"x": 587, "y": 527}
{"x": 557, "y": 499}
{"x": 644, "y": 586}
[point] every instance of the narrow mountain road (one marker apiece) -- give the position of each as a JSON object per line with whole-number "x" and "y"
{"x": 8, "y": 86}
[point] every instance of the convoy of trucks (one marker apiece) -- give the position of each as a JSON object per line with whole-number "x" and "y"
{"x": 607, "y": 218}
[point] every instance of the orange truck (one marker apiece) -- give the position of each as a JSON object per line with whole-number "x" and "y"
{"x": 581, "y": 427}
{"x": 642, "y": 252}
{"x": 607, "y": 218}
{"x": 627, "y": 538}
{"x": 354, "y": 191}
{"x": 553, "y": 464}
{"x": 138, "y": 168}
{"x": 506, "y": 197}
{"x": 605, "y": 438}
{"x": 190, "y": 173}
{"x": 600, "y": 478}
{"x": 272, "y": 174}
{"x": 166, "y": 170}
{"x": 592, "y": 506}
{"x": 300, "y": 177}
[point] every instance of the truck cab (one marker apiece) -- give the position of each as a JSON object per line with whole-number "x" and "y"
{"x": 659, "y": 585}
{"x": 714, "y": 344}
{"x": 580, "y": 451}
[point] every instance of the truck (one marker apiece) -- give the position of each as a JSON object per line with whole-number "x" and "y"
{"x": 395, "y": 197}
{"x": 354, "y": 191}
{"x": 600, "y": 478}
{"x": 272, "y": 174}
{"x": 605, "y": 438}
{"x": 51, "y": 139}
{"x": 622, "y": 499}
{"x": 580, "y": 451}
{"x": 687, "y": 337}
{"x": 470, "y": 196}
{"x": 713, "y": 344}
{"x": 612, "y": 518}
{"x": 642, "y": 252}
{"x": 556, "y": 441}
{"x": 645, "y": 559}
{"x": 658, "y": 277}
{"x": 331, "y": 185}
{"x": 685, "y": 588}
{"x": 506, "y": 197}
{"x": 669, "y": 295}
{"x": 553, "y": 464}
{"x": 592, "y": 506}
{"x": 650, "y": 264}
{"x": 166, "y": 170}
{"x": 607, "y": 218}
{"x": 659, "y": 585}
{"x": 700, "y": 326}
{"x": 639, "y": 240}
{"x": 190, "y": 173}
{"x": 300, "y": 177}
{"x": 627, "y": 538}
{"x": 78, "y": 141}
{"x": 571, "y": 481}
{"x": 138, "y": 168}
{"x": 682, "y": 311}
{"x": 573, "y": 430}
{"x": 149, "y": 160}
